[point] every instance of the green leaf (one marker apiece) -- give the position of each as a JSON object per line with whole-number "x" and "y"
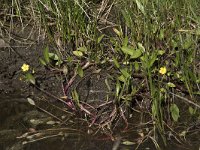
{"x": 162, "y": 90}
{"x": 46, "y": 54}
{"x": 141, "y": 47}
{"x": 122, "y": 78}
{"x": 192, "y": 111}
{"x": 127, "y": 18}
{"x": 69, "y": 59}
{"x": 170, "y": 84}
{"x": 197, "y": 31}
{"x": 174, "y": 112}
{"x": 126, "y": 63}
{"x": 118, "y": 88}
{"x": 100, "y": 38}
{"x": 75, "y": 96}
{"x": 136, "y": 54}
{"x": 136, "y": 65}
{"x": 65, "y": 70}
{"x": 125, "y": 41}
{"x": 197, "y": 93}
{"x": 125, "y": 73}
{"x": 161, "y": 52}
{"x": 152, "y": 59}
{"x": 30, "y": 78}
{"x": 161, "y": 35}
{"x": 128, "y": 50}
{"x": 82, "y": 49}
{"x": 140, "y": 6}
{"x": 80, "y": 71}
{"x": 153, "y": 109}
{"x": 187, "y": 44}
{"x": 78, "y": 53}
{"x": 59, "y": 62}
{"x": 116, "y": 62}
{"x": 42, "y": 61}
{"x": 53, "y": 56}
{"x": 117, "y": 32}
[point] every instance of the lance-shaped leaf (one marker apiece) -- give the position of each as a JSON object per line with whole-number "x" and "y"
{"x": 31, "y": 101}
{"x": 78, "y": 53}
{"x": 46, "y": 55}
{"x": 128, "y": 50}
{"x": 30, "y": 78}
{"x": 136, "y": 54}
{"x": 174, "y": 112}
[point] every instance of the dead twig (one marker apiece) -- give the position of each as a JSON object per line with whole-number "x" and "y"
{"x": 185, "y": 100}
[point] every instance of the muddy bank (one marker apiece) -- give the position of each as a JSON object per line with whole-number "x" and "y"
{"x": 18, "y": 117}
{"x": 16, "y": 113}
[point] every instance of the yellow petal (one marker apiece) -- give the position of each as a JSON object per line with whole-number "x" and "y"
{"x": 25, "y": 67}
{"x": 163, "y": 70}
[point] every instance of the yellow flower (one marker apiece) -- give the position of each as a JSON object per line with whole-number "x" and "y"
{"x": 25, "y": 67}
{"x": 163, "y": 70}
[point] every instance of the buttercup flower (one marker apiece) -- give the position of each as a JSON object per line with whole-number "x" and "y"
{"x": 25, "y": 67}
{"x": 163, "y": 70}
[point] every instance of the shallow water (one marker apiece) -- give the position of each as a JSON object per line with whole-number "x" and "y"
{"x": 16, "y": 112}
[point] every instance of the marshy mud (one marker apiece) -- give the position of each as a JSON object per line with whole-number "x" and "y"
{"x": 23, "y": 126}
{"x": 49, "y": 124}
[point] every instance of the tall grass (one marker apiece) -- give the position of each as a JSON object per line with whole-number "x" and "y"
{"x": 171, "y": 26}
